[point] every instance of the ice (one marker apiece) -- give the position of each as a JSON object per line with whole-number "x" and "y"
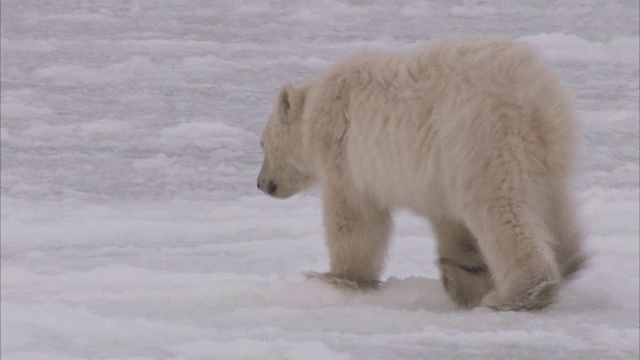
{"x": 131, "y": 223}
{"x": 473, "y": 11}
{"x": 571, "y": 48}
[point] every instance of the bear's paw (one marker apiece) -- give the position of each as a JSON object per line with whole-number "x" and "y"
{"x": 342, "y": 282}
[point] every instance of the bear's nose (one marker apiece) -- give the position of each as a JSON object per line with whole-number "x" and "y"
{"x": 271, "y": 187}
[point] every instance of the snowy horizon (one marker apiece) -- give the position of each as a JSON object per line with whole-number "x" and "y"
{"x": 131, "y": 226}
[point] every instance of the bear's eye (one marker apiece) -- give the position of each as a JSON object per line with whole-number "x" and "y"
{"x": 262, "y": 144}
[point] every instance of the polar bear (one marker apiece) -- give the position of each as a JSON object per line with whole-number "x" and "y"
{"x": 474, "y": 134}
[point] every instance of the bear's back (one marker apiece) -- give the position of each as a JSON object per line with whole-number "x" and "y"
{"x": 408, "y": 119}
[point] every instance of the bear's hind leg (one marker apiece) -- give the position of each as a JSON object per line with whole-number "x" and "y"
{"x": 357, "y": 234}
{"x": 517, "y": 248}
{"x": 568, "y": 248}
{"x": 504, "y": 210}
{"x": 465, "y": 276}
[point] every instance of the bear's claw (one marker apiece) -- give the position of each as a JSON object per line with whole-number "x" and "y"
{"x": 535, "y": 298}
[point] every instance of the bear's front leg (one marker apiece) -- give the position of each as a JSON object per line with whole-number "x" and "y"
{"x": 357, "y": 234}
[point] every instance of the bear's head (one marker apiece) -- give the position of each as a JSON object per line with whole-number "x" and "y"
{"x": 285, "y": 171}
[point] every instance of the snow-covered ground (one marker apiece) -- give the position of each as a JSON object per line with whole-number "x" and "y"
{"x": 132, "y": 228}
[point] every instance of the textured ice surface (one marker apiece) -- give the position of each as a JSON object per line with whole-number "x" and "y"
{"x": 132, "y": 229}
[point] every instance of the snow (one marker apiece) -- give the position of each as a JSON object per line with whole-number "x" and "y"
{"x": 131, "y": 223}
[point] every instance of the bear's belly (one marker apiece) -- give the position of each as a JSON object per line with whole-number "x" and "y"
{"x": 400, "y": 180}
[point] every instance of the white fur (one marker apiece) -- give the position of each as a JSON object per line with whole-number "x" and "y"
{"x": 475, "y": 134}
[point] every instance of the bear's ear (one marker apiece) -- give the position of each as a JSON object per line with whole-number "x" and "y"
{"x": 289, "y": 103}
